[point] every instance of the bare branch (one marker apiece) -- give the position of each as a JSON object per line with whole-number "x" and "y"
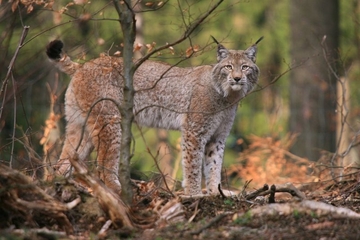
{"x": 186, "y": 34}
{"x": 12, "y": 62}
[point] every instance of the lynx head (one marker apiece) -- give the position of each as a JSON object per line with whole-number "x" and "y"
{"x": 235, "y": 70}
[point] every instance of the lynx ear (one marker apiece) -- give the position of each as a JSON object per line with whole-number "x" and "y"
{"x": 222, "y": 52}
{"x": 251, "y": 51}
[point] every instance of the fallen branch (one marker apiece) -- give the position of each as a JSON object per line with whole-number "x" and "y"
{"x": 19, "y": 194}
{"x": 257, "y": 192}
{"x": 306, "y": 206}
{"x": 111, "y": 203}
{"x": 288, "y": 188}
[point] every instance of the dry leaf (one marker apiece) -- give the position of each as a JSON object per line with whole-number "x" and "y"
{"x": 14, "y": 5}
{"x": 191, "y": 50}
{"x": 50, "y": 124}
{"x": 151, "y": 46}
{"x": 80, "y": 2}
{"x": 172, "y": 51}
{"x": 196, "y": 48}
{"x": 85, "y": 17}
{"x": 29, "y": 9}
{"x": 49, "y": 5}
{"x": 137, "y": 47}
{"x": 70, "y": 4}
{"x": 62, "y": 10}
{"x": 188, "y": 52}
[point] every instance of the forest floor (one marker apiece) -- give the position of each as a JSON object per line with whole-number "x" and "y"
{"x": 312, "y": 211}
{"x": 286, "y": 197}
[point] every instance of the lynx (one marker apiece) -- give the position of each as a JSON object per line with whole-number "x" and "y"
{"x": 199, "y": 101}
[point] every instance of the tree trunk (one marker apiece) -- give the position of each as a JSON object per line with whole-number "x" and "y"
{"x": 313, "y": 87}
{"x": 127, "y": 22}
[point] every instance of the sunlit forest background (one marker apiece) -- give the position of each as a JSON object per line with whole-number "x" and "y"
{"x": 32, "y": 96}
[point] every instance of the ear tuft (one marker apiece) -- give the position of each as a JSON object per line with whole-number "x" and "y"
{"x": 54, "y": 49}
{"x": 251, "y": 51}
{"x": 259, "y": 40}
{"x": 216, "y": 41}
{"x": 222, "y": 52}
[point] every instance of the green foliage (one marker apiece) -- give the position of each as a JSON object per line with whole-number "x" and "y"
{"x": 228, "y": 202}
{"x": 296, "y": 213}
{"x": 244, "y": 219}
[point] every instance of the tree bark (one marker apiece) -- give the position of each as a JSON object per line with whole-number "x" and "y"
{"x": 127, "y": 22}
{"x": 312, "y": 87}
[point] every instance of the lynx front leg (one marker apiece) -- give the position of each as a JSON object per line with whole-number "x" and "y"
{"x": 192, "y": 154}
{"x": 214, "y": 152}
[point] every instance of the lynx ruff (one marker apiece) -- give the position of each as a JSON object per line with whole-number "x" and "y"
{"x": 200, "y": 101}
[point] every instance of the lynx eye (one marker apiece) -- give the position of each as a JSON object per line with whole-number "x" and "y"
{"x": 244, "y": 67}
{"x": 228, "y": 67}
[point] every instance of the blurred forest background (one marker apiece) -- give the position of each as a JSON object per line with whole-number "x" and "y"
{"x": 306, "y": 105}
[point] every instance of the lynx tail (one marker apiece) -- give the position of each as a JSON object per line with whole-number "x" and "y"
{"x": 61, "y": 60}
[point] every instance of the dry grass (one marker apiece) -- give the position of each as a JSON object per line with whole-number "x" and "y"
{"x": 268, "y": 160}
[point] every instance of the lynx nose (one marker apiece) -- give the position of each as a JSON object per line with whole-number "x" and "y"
{"x": 237, "y": 79}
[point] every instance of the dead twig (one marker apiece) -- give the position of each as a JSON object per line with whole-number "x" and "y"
{"x": 257, "y": 192}
{"x": 12, "y": 62}
{"x": 272, "y": 194}
{"x": 196, "y": 211}
{"x": 221, "y": 191}
{"x": 102, "y": 232}
{"x": 289, "y": 188}
{"x": 5, "y": 83}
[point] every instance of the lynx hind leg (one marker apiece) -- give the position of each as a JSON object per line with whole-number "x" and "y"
{"x": 214, "y": 152}
{"x": 192, "y": 155}
{"x": 72, "y": 148}
{"x": 106, "y": 137}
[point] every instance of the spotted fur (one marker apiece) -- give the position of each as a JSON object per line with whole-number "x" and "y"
{"x": 201, "y": 102}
